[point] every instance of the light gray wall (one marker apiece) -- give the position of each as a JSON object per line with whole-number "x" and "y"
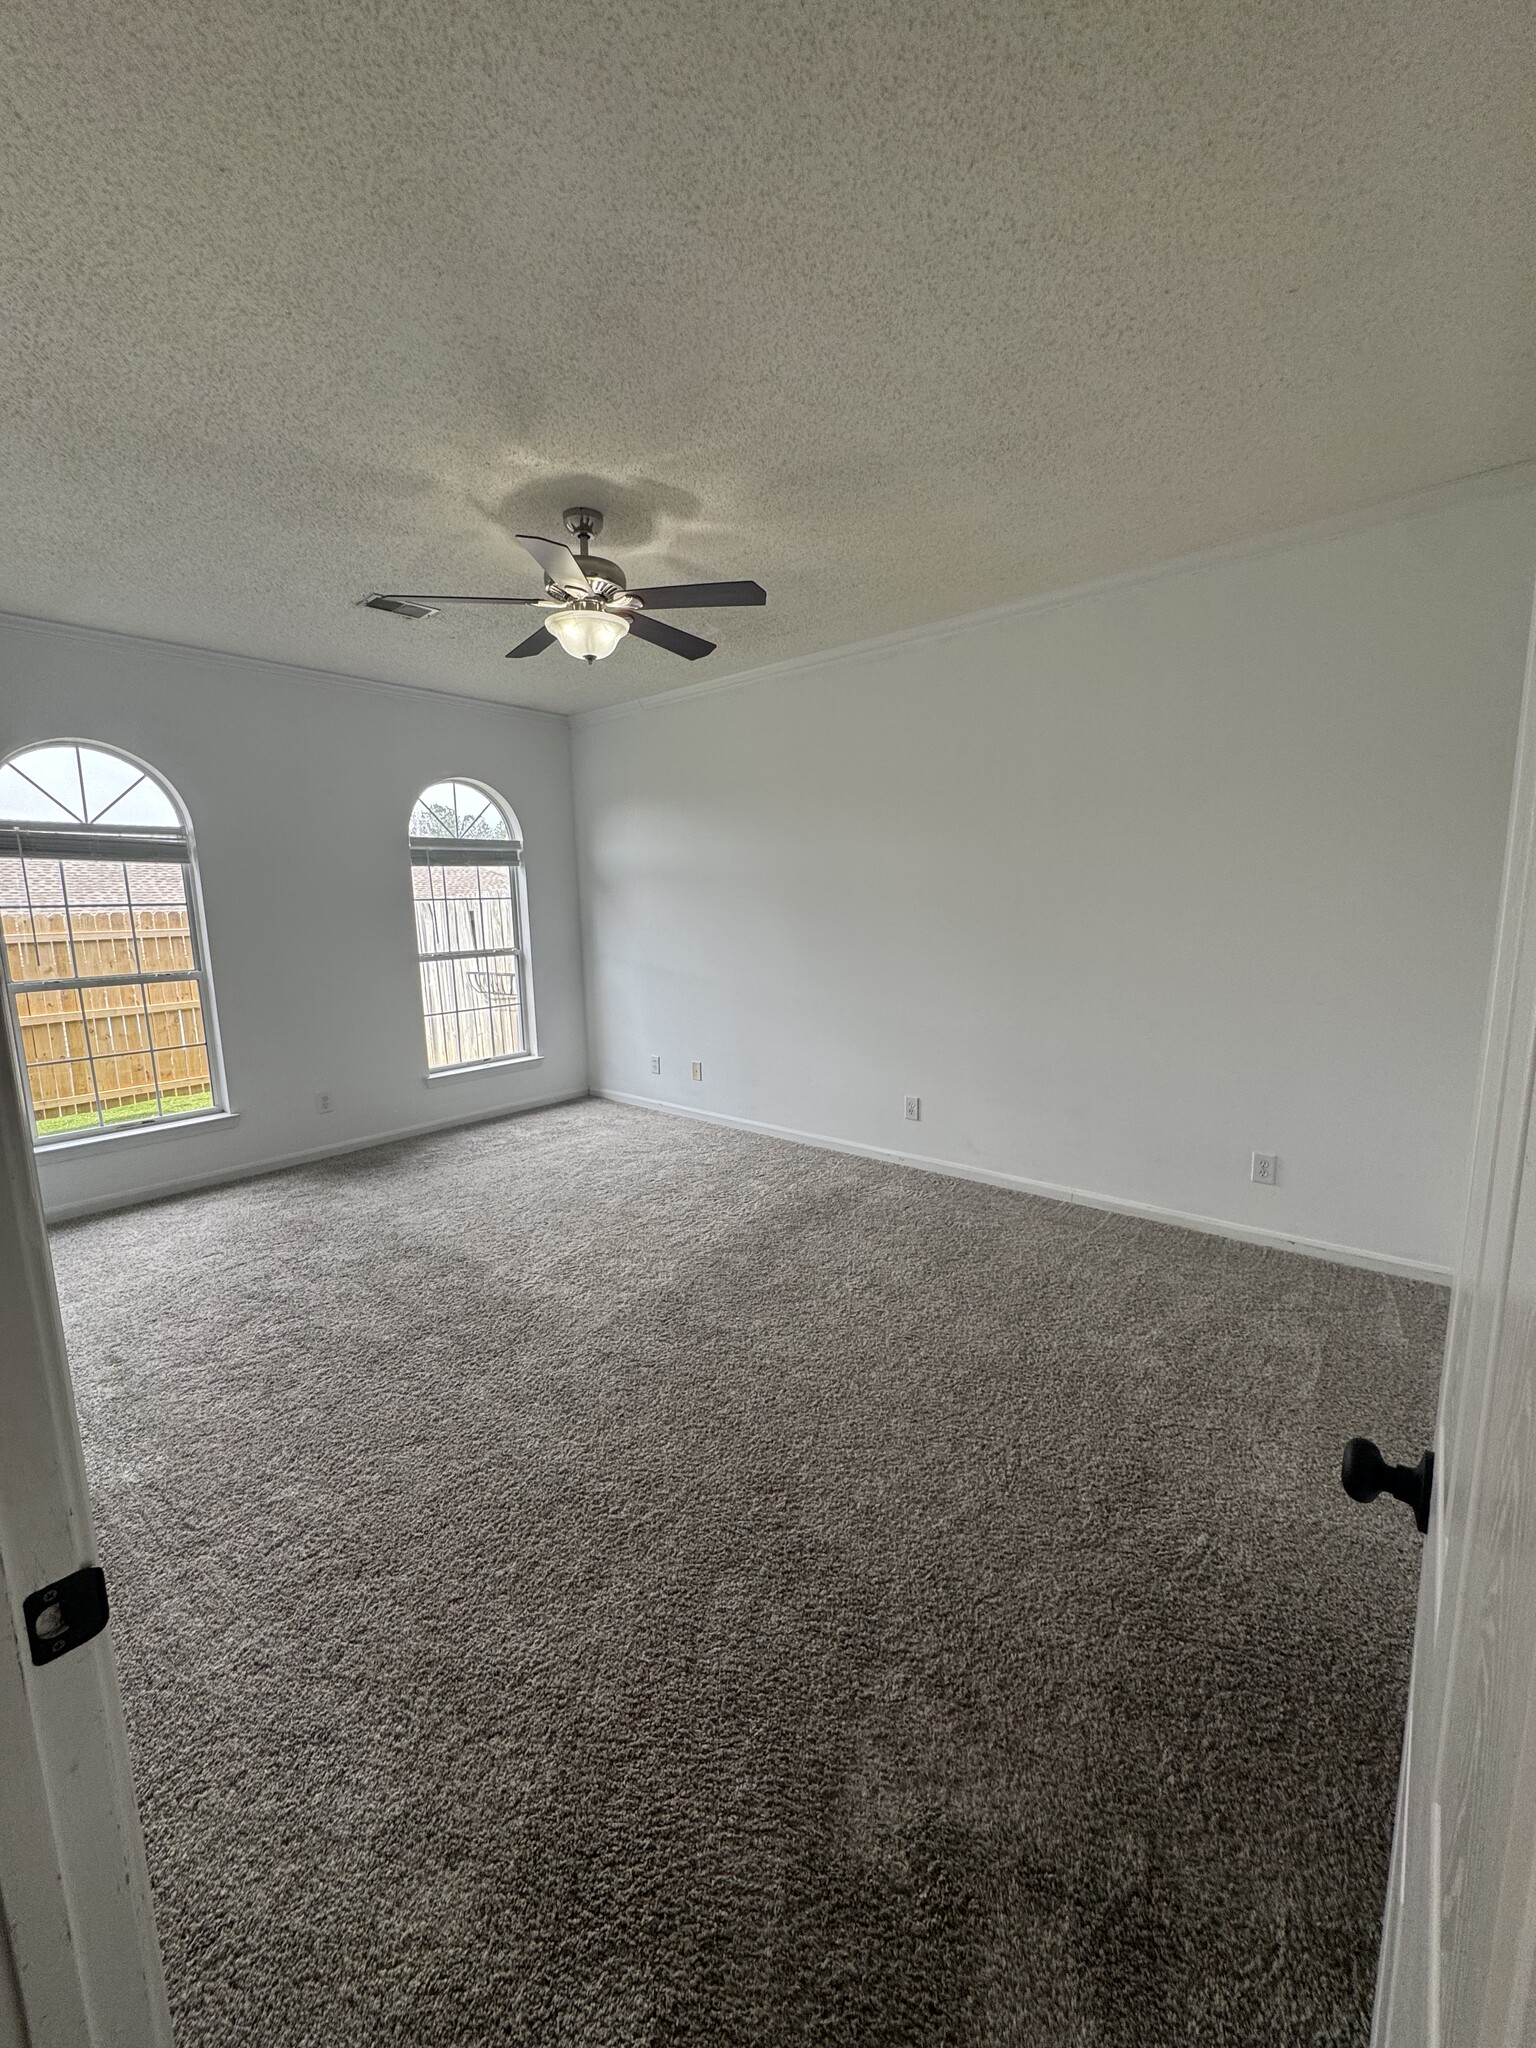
{"x": 1125, "y": 887}
{"x": 299, "y": 788}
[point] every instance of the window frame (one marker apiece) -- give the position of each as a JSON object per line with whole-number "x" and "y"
{"x": 448, "y": 850}
{"x": 118, "y": 845}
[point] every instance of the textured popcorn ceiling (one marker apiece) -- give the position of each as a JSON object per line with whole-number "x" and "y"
{"x": 903, "y": 309}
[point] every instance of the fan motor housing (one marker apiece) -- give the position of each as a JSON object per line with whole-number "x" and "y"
{"x": 596, "y": 586}
{"x": 598, "y": 569}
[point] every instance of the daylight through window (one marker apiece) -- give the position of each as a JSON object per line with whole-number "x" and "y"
{"x": 105, "y": 971}
{"x": 466, "y": 870}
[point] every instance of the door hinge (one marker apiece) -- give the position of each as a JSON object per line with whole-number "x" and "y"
{"x": 66, "y": 1614}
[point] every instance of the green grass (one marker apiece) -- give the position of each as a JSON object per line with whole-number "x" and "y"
{"x": 126, "y": 1113}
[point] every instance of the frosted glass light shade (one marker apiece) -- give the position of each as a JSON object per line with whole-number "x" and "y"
{"x": 589, "y": 635}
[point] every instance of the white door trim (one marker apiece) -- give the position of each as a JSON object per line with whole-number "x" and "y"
{"x": 1459, "y": 1938}
{"x": 83, "y": 1964}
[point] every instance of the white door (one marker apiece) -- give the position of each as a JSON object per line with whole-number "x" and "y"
{"x": 79, "y": 1960}
{"x": 1459, "y": 1942}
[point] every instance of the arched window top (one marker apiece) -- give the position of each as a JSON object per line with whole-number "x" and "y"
{"x": 67, "y": 783}
{"x": 462, "y": 810}
{"x": 471, "y": 927}
{"x": 101, "y": 943}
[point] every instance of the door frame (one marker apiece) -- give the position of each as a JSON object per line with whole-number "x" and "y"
{"x": 1458, "y": 1947}
{"x": 80, "y": 1963}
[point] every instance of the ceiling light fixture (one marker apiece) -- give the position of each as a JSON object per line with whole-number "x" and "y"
{"x": 589, "y": 634}
{"x": 589, "y": 605}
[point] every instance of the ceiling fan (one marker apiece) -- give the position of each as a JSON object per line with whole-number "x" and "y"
{"x": 590, "y": 607}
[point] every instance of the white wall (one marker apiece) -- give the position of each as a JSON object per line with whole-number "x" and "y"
{"x": 299, "y": 788}
{"x": 1125, "y": 886}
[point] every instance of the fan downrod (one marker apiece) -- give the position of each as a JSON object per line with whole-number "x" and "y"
{"x": 585, "y": 523}
{"x": 578, "y": 583}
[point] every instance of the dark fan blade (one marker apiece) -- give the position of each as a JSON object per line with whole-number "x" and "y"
{"x": 556, "y": 560}
{"x": 673, "y": 638}
{"x": 674, "y": 596}
{"x": 406, "y": 597}
{"x": 534, "y": 644}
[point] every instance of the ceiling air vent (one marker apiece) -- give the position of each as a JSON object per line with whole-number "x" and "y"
{"x": 402, "y": 607}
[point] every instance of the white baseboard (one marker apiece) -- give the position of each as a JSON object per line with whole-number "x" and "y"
{"x": 133, "y": 1198}
{"x": 1211, "y": 1226}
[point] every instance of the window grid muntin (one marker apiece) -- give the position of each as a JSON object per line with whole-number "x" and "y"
{"x": 130, "y": 898}
{"x": 469, "y": 821}
{"x": 501, "y": 1026}
{"x": 96, "y": 1053}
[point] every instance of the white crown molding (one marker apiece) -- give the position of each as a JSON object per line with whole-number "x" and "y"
{"x": 1488, "y": 483}
{"x": 190, "y": 650}
{"x": 1503, "y": 482}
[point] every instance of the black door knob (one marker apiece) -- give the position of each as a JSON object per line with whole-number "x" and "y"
{"x": 1366, "y": 1474}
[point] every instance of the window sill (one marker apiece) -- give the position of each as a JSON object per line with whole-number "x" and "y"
{"x": 521, "y": 1059}
{"x": 47, "y": 1147}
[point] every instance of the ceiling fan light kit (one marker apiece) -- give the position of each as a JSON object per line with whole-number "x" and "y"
{"x": 590, "y": 608}
{"x": 589, "y": 633}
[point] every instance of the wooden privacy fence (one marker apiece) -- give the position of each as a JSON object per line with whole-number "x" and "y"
{"x": 106, "y": 1045}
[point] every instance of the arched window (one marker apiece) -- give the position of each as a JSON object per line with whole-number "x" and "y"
{"x": 471, "y": 927}
{"x": 105, "y": 968}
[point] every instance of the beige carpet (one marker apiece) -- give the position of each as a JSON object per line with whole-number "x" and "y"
{"x": 599, "y": 1579}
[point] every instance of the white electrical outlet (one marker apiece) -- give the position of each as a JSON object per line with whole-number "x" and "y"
{"x": 655, "y": 1062}
{"x": 1265, "y": 1169}
{"x": 324, "y": 1102}
{"x": 912, "y": 1108}
{"x": 698, "y": 1070}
